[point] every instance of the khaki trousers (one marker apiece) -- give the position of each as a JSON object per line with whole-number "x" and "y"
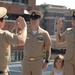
{"x": 32, "y": 67}
{"x": 69, "y": 68}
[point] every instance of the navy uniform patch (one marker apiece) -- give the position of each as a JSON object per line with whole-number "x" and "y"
{"x": 40, "y": 38}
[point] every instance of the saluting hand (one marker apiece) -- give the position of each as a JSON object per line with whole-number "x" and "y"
{"x": 59, "y": 24}
{"x": 21, "y": 22}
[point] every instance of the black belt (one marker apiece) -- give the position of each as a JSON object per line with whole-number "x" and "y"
{"x": 1, "y": 72}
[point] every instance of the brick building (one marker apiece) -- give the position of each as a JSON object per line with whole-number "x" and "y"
{"x": 16, "y": 8}
{"x": 51, "y": 15}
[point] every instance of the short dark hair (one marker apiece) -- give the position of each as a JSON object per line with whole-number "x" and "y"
{"x": 4, "y": 17}
{"x": 73, "y": 15}
{"x": 1, "y": 19}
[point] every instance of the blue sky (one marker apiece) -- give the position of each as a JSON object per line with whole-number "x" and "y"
{"x": 67, "y": 3}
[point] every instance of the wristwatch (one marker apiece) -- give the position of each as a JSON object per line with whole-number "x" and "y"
{"x": 47, "y": 61}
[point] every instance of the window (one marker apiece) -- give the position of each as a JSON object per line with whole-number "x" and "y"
{"x": 25, "y": 1}
{"x": 15, "y": 0}
{"x": 16, "y": 56}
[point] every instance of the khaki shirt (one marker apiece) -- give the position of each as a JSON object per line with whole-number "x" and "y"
{"x": 35, "y": 44}
{"x": 69, "y": 37}
{"x": 6, "y": 39}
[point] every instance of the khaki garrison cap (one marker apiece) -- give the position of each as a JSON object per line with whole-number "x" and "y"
{"x": 3, "y": 12}
{"x": 34, "y": 14}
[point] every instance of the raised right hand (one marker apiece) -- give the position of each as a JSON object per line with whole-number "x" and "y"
{"x": 21, "y": 22}
{"x": 59, "y": 23}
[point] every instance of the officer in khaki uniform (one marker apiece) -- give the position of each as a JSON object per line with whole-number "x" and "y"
{"x": 7, "y": 38}
{"x": 69, "y": 37}
{"x": 37, "y": 40}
